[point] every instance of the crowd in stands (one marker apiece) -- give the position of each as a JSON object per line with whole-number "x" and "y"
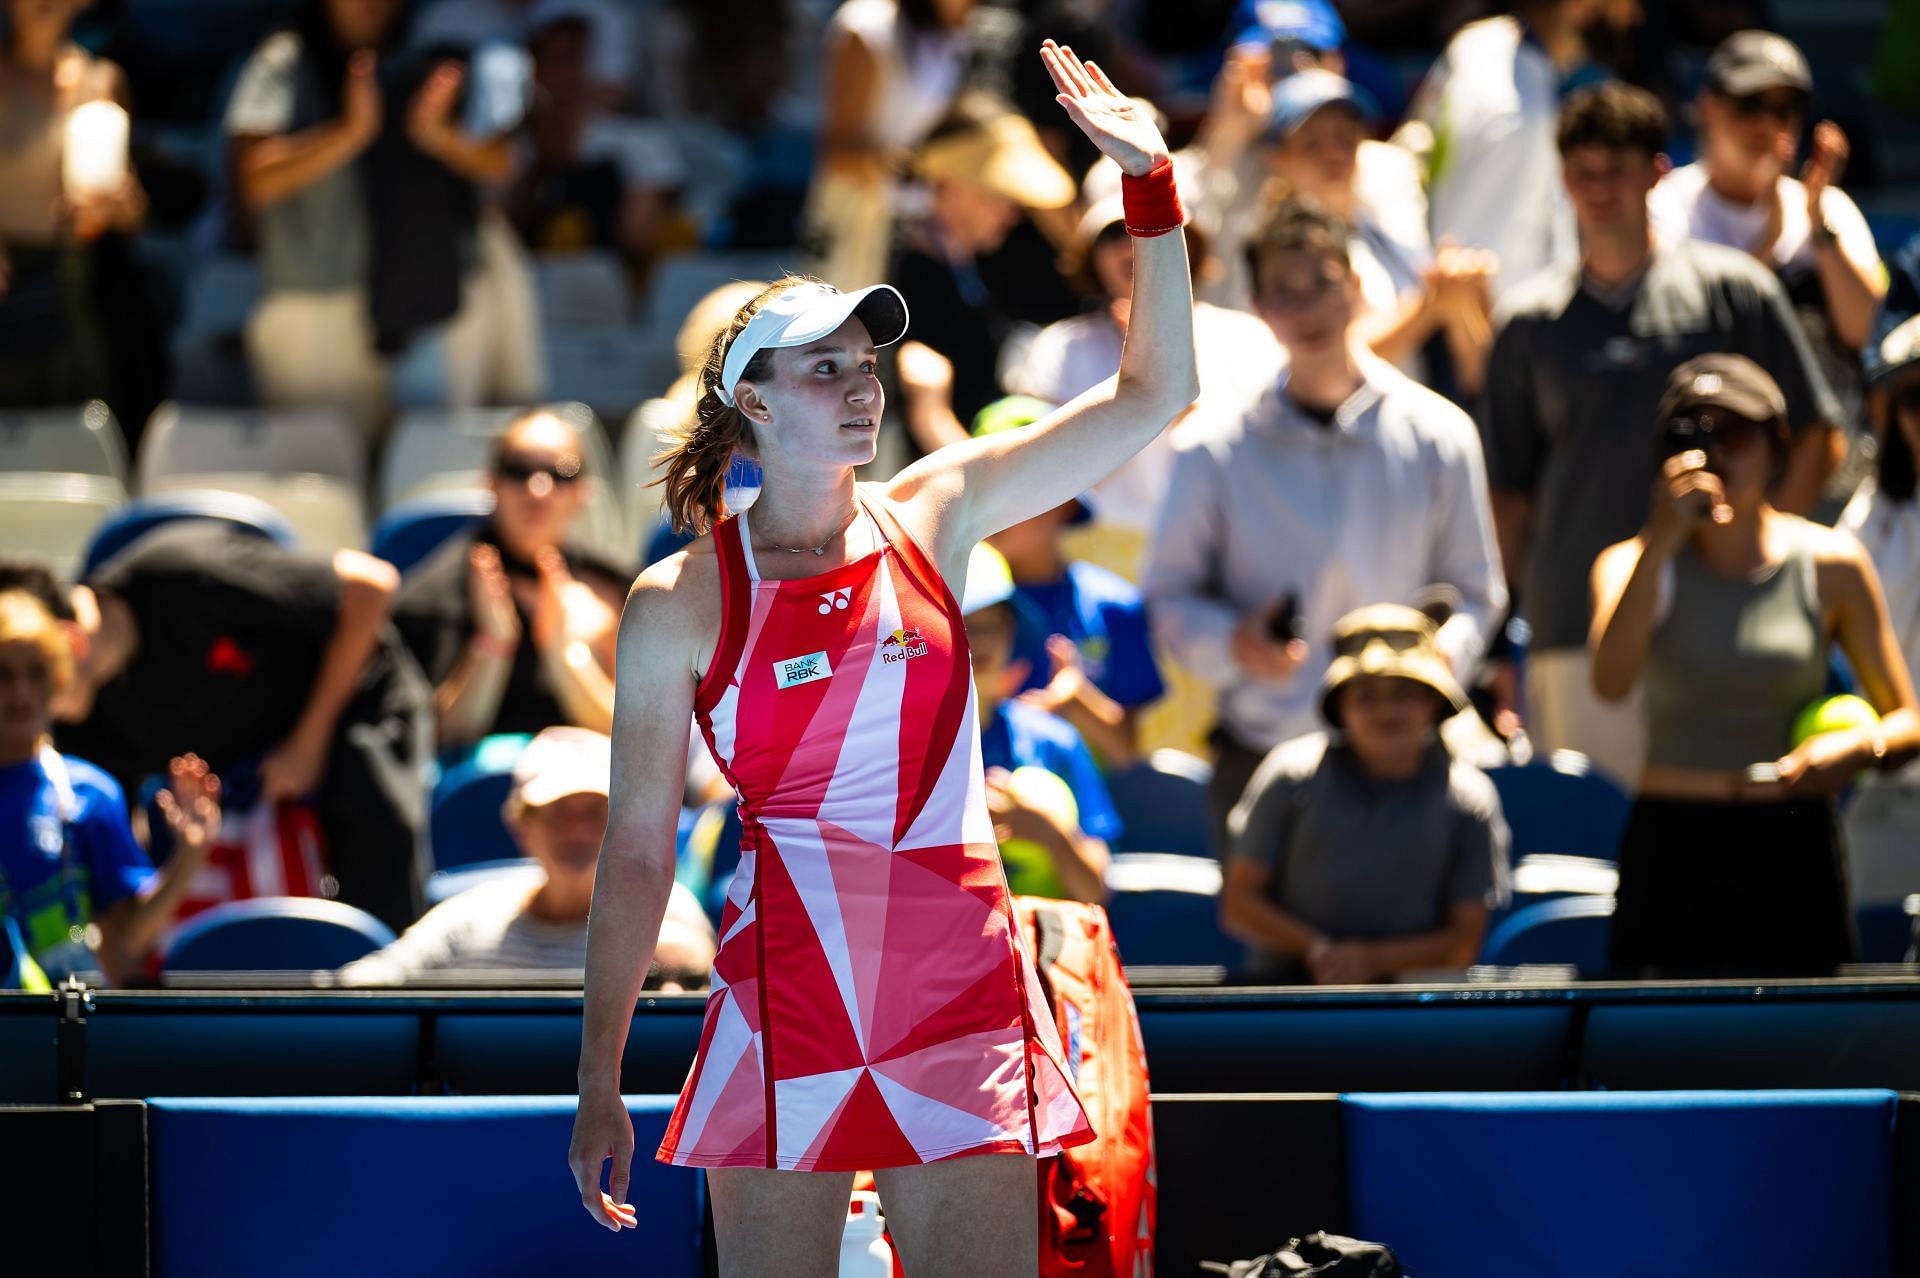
{"x": 1514, "y": 439}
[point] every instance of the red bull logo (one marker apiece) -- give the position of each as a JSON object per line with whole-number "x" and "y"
{"x": 903, "y": 643}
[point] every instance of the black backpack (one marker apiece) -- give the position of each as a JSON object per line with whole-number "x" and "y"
{"x": 1319, "y": 1255}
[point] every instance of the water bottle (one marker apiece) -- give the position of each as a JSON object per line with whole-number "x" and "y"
{"x": 863, "y": 1252}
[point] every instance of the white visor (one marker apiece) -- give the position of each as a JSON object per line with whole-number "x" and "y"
{"x": 807, "y": 313}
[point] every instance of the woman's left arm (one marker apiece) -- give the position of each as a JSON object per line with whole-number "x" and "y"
{"x": 988, "y": 484}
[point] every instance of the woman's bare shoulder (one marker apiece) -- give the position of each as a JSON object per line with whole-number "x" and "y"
{"x": 679, "y": 594}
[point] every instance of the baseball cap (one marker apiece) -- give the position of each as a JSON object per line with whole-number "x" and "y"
{"x": 1011, "y": 412}
{"x": 1003, "y": 154}
{"x": 1898, "y": 351}
{"x": 1388, "y": 641}
{"x": 1312, "y": 23}
{"x": 1299, "y": 95}
{"x": 562, "y": 761}
{"x": 1732, "y": 382}
{"x": 989, "y": 580}
{"x": 806, "y": 313}
{"x": 1754, "y": 61}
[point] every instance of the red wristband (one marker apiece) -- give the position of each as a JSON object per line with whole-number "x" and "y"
{"x": 1151, "y": 204}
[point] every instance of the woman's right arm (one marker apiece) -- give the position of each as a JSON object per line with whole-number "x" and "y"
{"x": 659, "y": 635}
{"x": 269, "y": 168}
{"x": 1626, "y": 576}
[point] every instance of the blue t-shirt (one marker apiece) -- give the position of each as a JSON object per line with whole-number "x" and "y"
{"x": 108, "y": 865}
{"x": 1021, "y": 736}
{"x": 1106, "y": 618}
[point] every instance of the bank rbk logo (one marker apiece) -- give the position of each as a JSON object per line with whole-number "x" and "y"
{"x": 833, "y": 599}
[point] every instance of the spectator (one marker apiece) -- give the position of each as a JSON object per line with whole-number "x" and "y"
{"x": 1343, "y": 483}
{"x": 1803, "y": 229}
{"x": 1411, "y": 294}
{"x": 1237, "y": 356}
{"x": 589, "y": 179}
{"x": 199, "y": 637}
{"x": 76, "y": 890}
{"x": 1081, "y": 631}
{"x": 371, "y": 242}
{"x": 1488, "y": 109}
{"x": 470, "y": 25}
{"x": 984, "y": 165}
{"x": 537, "y": 921}
{"x": 893, "y": 69}
{"x": 53, "y": 334}
{"x": 1727, "y": 611}
{"x": 1883, "y": 856}
{"x": 513, "y": 625}
{"x": 1371, "y": 854}
{"x": 1583, "y": 355}
{"x": 1047, "y": 849}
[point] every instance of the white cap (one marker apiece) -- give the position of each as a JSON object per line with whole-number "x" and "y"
{"x": 807, "y": 313}
{"x": 562, "y": 761}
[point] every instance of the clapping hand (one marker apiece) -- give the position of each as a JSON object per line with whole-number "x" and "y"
{"x": 1824, "y": 166}
{"x": 191, "y": 805}
{"x": 430, "y": 114}
{"x": 1066, "y": 681}
{"x": 491, "y": 596}
{"x": 1122, "y": 128}
{"x": 565, "y": 609}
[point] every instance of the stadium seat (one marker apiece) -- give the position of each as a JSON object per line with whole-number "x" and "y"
{"x": 411, "y": 531}
{"x": 679, "y": 282}
{"x": 712, "y": 854}
{"x": 442, "y": 884}
{"x": 1545, "y": 875}
{"x": 1561, "y": 806}
{"x": 308, "y": 464}
{"x": 314, "y": 1187}
{"x": 1162, "y": 805}
{"x": 465, "y": 826}
{"x": 275, "y": 934}
{"x": 1593, "y": 1184}
{"x": 1566, "y": 931}
{"x": 1886, "y": 932}
{"x": 1165, "y": 911}
{"x": 612, "y": 367}
{"x": 221, "y": 291}
{"x": 143, "y": 514}
{"x": 441, "y": 451}
{"x": 52, "y": 516}
{"x": 585, "y": 288}
{"x": 83, "y": 439}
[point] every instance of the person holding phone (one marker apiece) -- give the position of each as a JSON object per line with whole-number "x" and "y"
{"x": 1728, "y": 611}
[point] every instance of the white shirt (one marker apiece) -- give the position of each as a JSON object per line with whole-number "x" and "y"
{"x": 1684, "y": 204}
{"x": 919, "y": 74}
{"x": 1890, "y": 531}
{"x": 1388, "y": 499}
{"x": 1238, "y": 358}
{"x": 1493, "y": 103}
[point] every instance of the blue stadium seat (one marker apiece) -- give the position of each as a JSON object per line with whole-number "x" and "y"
{"x": 142, "y": 515}
{"x": 446, "y": 1185}
{"x": 1593, "y": 1184}
{"x": 1165, "y": 911}
{"x": 413, "y": 529}
{"x": 464, "y": 823}
{"x": 1561, "y": 806}
{"x": 275, "y": 934}
{"x": 1568, "y": 930}
{"x": 1886, "y": 932}
{"x": 1162, "y": 805}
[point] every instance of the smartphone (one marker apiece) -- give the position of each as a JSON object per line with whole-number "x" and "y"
{"x": 1284, "y": 627}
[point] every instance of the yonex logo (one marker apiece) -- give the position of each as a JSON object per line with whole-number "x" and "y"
{"x": 835, "y": 599}
{"x": 807, "y": 669}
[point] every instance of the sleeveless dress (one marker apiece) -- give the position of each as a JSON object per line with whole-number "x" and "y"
{"x": 872, "y": 1003}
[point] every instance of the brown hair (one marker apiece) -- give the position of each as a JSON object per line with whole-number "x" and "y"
{"x": 1615, "y": 115}
{"x": 1299, "y": 224}
{"x": 693, "y": 469}
{"x": 25, "y": 619}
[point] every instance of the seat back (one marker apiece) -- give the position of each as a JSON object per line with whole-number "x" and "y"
{"x": 1585, "y": 1184}
{"x": 52, "y": 516}
{"x": 588, "y": 287}
{"x": 82, "y": 439}
{"x": 1162, "y": 805}
{"x": 142, "y": 515}
{"x": 1165, "y": 911}
{"x": 185, "y": 442}
{"x": 1566, "y": 931}
{"x": 1561, "y": 806}
{"x": 464, "y": 822}
{"x": 325, "y": 512}
{"x": 275, "y": 933}
{"x": 414, "y": 529}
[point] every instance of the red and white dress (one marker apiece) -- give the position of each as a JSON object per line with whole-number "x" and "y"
{"x": 872, "y": 1005}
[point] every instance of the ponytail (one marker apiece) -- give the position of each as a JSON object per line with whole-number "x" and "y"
{"x": 694, "y": 467}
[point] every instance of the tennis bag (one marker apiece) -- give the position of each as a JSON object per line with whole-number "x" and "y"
{"x": 1097, "y": 1201}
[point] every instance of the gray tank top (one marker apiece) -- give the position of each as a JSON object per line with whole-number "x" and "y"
{"x": 1733, "y": 662}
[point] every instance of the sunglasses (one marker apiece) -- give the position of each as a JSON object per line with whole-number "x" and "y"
{"x": 1282, "y": 297}
{"x": 1711, "y": 433}
{"x": 521, "y": 470}
{"x": 1352, "y": 644}
{"x": 1786, "y": 110}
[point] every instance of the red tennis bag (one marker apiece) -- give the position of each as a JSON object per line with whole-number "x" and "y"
{"x": 1097, "y": 1201}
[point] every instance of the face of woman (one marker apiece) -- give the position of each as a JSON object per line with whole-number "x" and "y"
{"x": 538, "y": 486}
{"x": 1319, "y": 159}
{"x": 361, "y": 23}
{"x": 26, "y": 691}
{"x": 821, "y": 405}
{"x": 1386, "y": 719}
{"x": 1738, "y": 452}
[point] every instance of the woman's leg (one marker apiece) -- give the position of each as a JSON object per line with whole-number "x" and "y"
{"x": 778, "y": 1222}
{"x": 936, "y": 1213}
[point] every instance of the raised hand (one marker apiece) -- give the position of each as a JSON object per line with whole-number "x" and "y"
{"x": 191, "y": 805}
{"x": 1122, "y": 128}
{"x": 430, "y": 114}
{"x": 1824, "y": 165}
{"x": 491, "y": 596}
{"x": 360, "y": 101}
